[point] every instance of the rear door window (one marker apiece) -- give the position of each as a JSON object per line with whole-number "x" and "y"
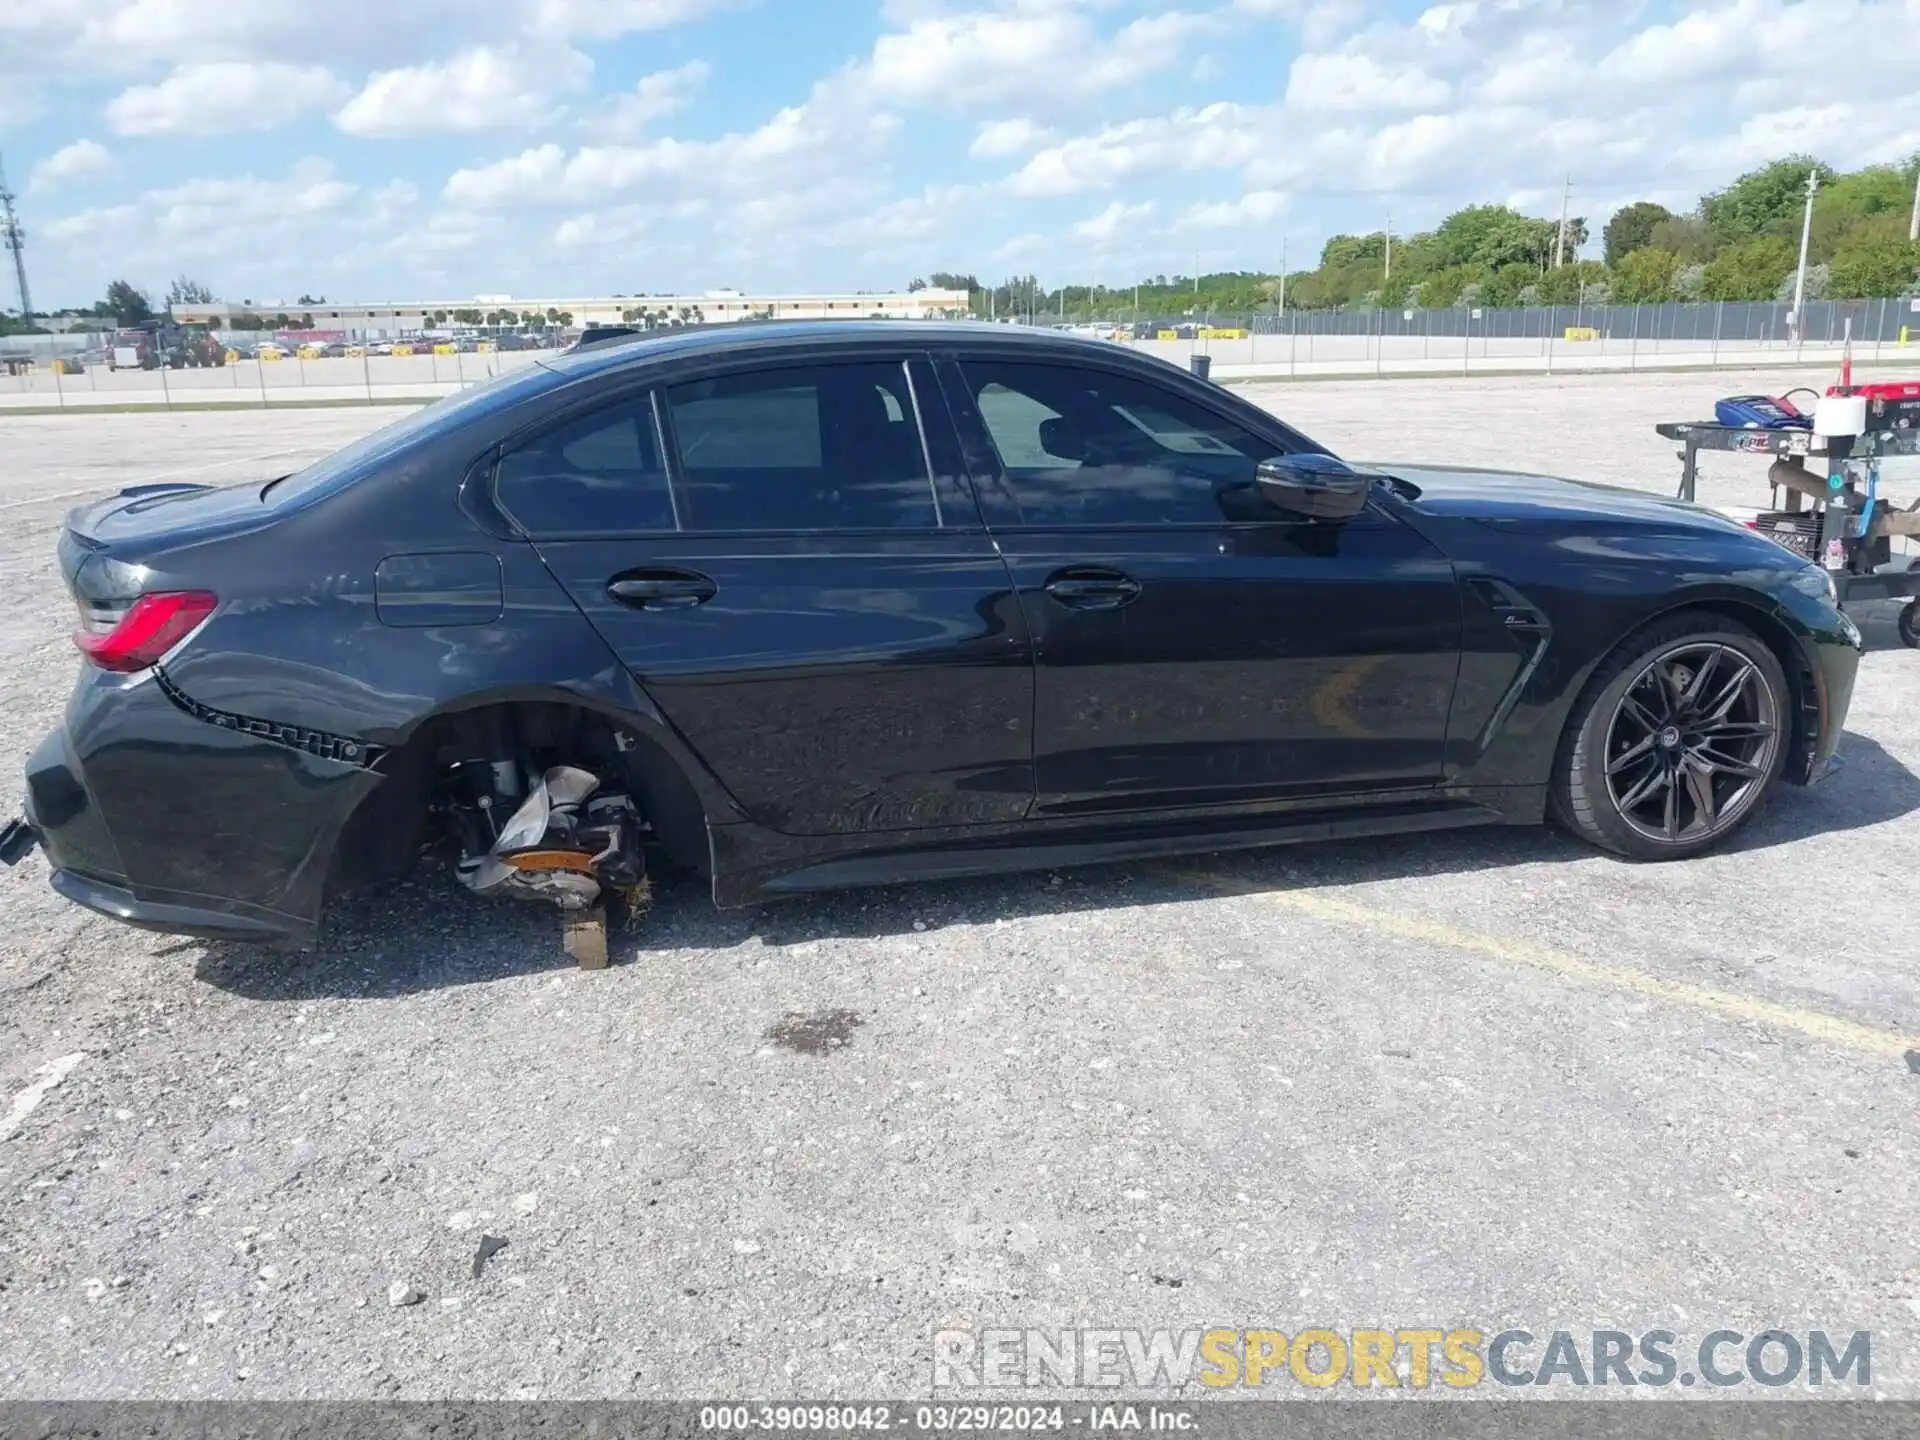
{"x": 820, "y": 447}
{"x": 596, "y": 474}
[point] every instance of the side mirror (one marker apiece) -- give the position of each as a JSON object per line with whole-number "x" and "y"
{"x": 1318, "y": 487}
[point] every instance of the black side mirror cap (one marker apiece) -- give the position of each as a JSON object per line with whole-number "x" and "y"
{"x": 1317, "y": 487}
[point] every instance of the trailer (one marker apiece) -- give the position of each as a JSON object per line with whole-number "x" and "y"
{"x": 1831, "y": 512}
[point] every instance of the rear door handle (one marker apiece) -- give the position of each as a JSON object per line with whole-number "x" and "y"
{"x": 662, "y": 589}
{"x": 1092, "y": 588}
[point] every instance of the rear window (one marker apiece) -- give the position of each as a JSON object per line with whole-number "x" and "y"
{"x": 833, "y": 446}
{"x": 427, "y": 422}
{"x": 597, "y": 472}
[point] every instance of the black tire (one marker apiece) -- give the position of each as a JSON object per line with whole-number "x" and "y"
{"x": 1909, "y": 622}
{"x": 1598, "y": 772}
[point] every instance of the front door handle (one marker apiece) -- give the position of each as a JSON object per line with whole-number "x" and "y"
{"x": 662, "y": 589}
{"x": 1092, "y": 588}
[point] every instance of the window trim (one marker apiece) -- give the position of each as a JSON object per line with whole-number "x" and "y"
{"x": 766, "y": 365}
{"x": 994, "y": 489}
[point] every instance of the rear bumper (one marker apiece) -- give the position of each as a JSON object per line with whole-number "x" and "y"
{"x": 201, "y": 919}
{"x": 158, "y": 819}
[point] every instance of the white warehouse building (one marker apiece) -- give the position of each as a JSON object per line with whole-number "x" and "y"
{"x": 385, "y": 321}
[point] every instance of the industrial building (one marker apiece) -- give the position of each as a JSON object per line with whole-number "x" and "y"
{"x": 385, "y": 321}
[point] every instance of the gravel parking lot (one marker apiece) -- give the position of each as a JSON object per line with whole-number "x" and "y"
{"x": 1481, "y": 1079}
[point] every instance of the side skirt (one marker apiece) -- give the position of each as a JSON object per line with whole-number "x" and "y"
{"x": 739, "y": 881}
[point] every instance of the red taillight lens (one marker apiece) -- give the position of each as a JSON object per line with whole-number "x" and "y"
{"x": 152, "y": 626}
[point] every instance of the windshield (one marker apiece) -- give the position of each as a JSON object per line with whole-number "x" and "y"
{"x": 416, "y": 425}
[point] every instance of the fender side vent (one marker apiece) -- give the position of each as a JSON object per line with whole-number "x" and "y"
{"x": 343, "y": 748}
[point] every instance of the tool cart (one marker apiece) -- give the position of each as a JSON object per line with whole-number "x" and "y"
{"x": 1831, "y": 511}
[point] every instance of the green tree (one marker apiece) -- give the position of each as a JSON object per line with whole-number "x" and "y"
{"x": 1645, "y": 276}
{"x": 1506, "y": 283}
{"x": 949, "y": 280}
{"x": 1444, "y": 288}
{"x": 188, "y": 292}
{"x": 1562, "y": 286}
{"x": 1748, "y": 270}
{"x": 1684, "y": 235}
{"x": 1763, "y": 202}
{"x": 127, "y": 303}
{"x": 1888, "y": 266}
{"x": 1871, "y": 202}
{"x": 1496, "y": 235}
{"x": 1631, "y": 229}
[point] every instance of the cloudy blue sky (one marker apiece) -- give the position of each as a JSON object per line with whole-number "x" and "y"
{"x": 398, "y": 149}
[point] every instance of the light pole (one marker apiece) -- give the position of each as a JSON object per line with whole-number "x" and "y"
{"x": 1806, "y": 234}
{"x": 1560, "y": 237}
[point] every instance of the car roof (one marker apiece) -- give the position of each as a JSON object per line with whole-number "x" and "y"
{"x": 813, "y": 336}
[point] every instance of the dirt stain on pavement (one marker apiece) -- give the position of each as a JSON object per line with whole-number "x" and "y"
{"x": 819, "y": 1033}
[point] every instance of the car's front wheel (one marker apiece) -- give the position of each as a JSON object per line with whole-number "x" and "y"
{"x": 1676, "y": 740}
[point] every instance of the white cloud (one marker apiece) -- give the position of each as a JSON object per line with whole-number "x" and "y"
{"x": 521, "y": 176}
{"x": 1116, "y": 219}
{"x": 71, "y": 162}
{"x": 1037, "y": 54}
{"x": 1220, "y": 135}
{"x": 223, "y": 96}
{"x": 603, "y": 18}
{"x": 477, "y": 89}
{"x": 238, "y": 231}
{"x": 1256, "y": 207}
{"x": 1318, "y": 21}
{"x": 1356, "y": 81}
{"x": 800, "y": 173}
{"x": 653, "y": 98}
{"x": 75, "y": 37}
{"x": 999, "y": 138}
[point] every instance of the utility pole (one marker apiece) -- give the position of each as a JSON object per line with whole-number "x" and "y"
{"x": 1913, "y": 225}
{"x": 1388, "y": 273}
{"x": 15, "y": 239}
{"x": 1560, "y": 239}
{"x": 1806, "y": 234}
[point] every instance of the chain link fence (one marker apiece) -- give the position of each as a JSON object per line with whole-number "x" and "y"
{"x": 1249, "y": 345}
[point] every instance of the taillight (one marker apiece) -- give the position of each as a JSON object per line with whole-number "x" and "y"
{"x": 151, "y": 626}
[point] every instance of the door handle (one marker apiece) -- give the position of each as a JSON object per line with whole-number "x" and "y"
{"x": 662, "y": 589}
{"x": 1093, "y": 589}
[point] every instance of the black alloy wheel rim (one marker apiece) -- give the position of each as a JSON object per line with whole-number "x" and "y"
{"x": 1691, "y": 743}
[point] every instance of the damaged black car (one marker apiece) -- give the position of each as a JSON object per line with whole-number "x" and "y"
{"x": 801, "y": 606}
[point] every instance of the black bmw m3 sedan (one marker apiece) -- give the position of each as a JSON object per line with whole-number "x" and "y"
{"x": 800, "y": 606}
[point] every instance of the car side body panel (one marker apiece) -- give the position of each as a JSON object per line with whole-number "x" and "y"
{"x": 209, "y": 795}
